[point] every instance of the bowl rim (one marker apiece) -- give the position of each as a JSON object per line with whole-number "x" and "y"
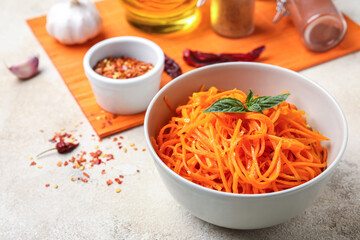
{"x": 123, "y": 40}
{"x": 307, "y": 184}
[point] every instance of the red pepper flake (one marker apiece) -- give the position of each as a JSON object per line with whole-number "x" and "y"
{"x": 103, "y": 172}
{"x": 86, "y": 175}
{"x": 135, "y": 149}
{"x": 121, "y": 176}
{"x": 32, "y": 163}
{"x": 115, "y": 139}
{"x": 59, "y": 164}
{"x": 121, "y": 137}
{"x": 109, "y": 182}
{"x": 109, "y": 123}
{"x": 144, "y": 149}
{"x": 122, "y": 67}
{"x": 96, "y": 158}
{"x": 84, "y": 180}
{"x": 47, "y": 185}
{"x": 110, "y": 157}
{"x": 118, "y": 181}
{"x": 65, "y": 163}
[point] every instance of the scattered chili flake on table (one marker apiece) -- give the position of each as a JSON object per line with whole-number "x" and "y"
{"x": 118, "y": 181}
{"x": 84, "y": 180}
{"x": 82, "y": 159}
{"x": 122, "y": 67}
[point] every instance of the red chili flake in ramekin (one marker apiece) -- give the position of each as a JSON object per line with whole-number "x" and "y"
{"x": 109, "y": 182}
{"x": 122, "y": 67}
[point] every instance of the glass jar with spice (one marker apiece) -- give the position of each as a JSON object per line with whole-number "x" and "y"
{"x": 320, "y": 25}
{"x": 232, "y": 18}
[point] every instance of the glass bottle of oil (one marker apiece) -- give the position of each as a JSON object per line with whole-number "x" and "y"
{"x": 161, "y": 16}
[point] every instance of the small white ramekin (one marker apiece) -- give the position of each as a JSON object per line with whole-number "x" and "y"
{"x": 125, "y": 96}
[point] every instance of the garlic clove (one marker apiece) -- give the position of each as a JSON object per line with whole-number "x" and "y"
{"x": 26, "y": 69}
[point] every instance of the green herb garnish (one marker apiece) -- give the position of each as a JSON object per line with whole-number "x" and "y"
{"x": 232, "y": 105}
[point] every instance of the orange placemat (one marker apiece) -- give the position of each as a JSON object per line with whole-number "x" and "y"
{"x": 283, "y": 48}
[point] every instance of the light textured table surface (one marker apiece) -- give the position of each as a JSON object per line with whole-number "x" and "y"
{"x": 143, "y": 209}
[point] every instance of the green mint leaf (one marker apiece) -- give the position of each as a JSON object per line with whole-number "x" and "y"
{"x": 232, "y": 105}
{"x": 267, "y": 102}
{"x": 249, "y": 99}
{"x": 227, "y": 105}
{"x": 255, "y": 108}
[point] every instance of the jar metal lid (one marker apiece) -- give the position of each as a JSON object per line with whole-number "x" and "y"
{"x": 281, "y": 10}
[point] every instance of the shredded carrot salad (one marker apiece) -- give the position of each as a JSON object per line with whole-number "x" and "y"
{"x": 240, "y": 152}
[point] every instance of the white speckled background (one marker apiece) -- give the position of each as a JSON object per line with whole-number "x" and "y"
{"x": 144, "y": 209}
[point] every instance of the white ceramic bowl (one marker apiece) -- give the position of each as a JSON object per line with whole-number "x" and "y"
{"x": 246, "y": 211}
{"x": 125, "y": 96}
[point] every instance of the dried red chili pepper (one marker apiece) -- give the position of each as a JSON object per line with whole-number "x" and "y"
{"x": 200, "y": 59}
{"x": 61, "y": 146}
{"x": 171, "y": 67}
{"x": 65, "y": 147}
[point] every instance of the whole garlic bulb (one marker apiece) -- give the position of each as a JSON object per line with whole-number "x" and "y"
{"x": 73, "y": 22}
